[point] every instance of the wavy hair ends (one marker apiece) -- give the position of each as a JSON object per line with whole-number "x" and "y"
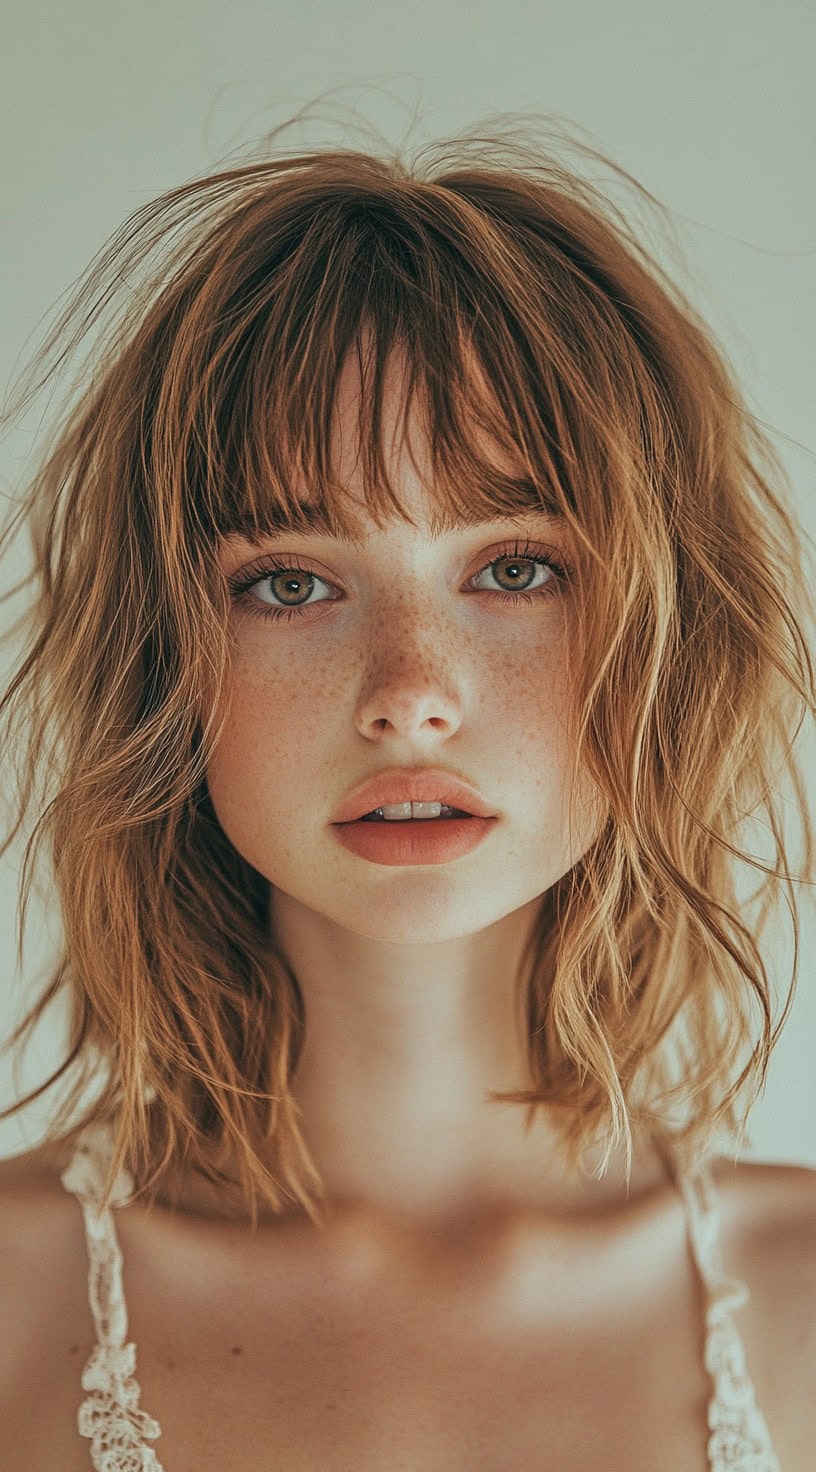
{"x": 519, "y": 296}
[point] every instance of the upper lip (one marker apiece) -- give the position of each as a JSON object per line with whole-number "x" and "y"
{"x": 411, "y": 784}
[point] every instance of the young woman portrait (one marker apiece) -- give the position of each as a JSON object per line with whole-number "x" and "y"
{"x": 418, "y": 617}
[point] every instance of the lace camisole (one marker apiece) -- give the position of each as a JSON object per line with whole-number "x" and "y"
{"x": 120, "y": 1432}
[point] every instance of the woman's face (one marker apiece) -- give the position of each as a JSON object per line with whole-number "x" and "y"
{"x": 409, "y": 652}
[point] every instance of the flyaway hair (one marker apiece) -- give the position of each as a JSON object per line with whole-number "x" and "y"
{"x": 205, "y": 408}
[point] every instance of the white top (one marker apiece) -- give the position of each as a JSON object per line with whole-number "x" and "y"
{"x": 119, "y": 1431}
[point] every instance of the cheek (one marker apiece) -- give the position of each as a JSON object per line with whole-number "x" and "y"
{"x": 532, "y": 720}
{"x": 278, "y": 748}
{"x": 259, "y": 756}
{"x": 527, "y": 705}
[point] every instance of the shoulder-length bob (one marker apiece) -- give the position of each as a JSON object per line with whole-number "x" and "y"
{"x": 208, "y": 402}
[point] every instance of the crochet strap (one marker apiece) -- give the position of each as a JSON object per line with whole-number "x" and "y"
{"x": 110, "y": 1415}
{"x": 739, "y": 1438}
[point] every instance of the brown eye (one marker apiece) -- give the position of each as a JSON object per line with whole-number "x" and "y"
{"x": 522, "y": 574}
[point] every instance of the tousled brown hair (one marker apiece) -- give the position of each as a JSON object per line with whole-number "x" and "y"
{"x": 207, "y": 405}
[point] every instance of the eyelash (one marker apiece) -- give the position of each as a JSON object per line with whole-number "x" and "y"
{"x": 256, "y": 572}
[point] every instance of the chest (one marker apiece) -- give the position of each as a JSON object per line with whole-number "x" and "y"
{"x": 538, "y": 1365}
{"x": 393, "y": 1397}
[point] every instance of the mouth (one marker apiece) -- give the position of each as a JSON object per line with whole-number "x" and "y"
{"x": 410, "y": 795}
{"x": 377, "y": 816}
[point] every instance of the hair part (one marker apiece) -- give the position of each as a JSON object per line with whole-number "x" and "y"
{"x": 519, "y": 299}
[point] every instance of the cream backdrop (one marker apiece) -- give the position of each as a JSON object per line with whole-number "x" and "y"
{"x": 105, "y": 105}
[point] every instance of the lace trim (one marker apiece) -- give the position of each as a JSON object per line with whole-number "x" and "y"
{"x": 740, "y": 1440}
{"x": 110, "y": 1415}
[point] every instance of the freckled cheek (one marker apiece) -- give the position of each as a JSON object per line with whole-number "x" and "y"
{"x": 530, "y": 719}
{"x": 529, "y": 694}
{"x": 276, "y": 746}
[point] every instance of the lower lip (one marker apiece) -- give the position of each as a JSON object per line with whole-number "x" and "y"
{"x": 414, "y": 841}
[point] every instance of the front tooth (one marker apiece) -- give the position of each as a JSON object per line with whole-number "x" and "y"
{"x": 401, "y": 810}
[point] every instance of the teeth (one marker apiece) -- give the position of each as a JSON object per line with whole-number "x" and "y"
{"x": 398, "y": 811}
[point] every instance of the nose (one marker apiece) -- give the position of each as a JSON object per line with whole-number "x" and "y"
{"x": 409, "y": 693}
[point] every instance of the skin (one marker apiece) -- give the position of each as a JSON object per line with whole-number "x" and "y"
{"x": 408, "y": 973}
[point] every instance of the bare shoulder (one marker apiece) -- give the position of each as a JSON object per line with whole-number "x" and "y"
{"x": 769, "y": 1232}
{"x": 44, "y": 1310}
{"x": 40, "y": 1238}
{"x": 33, "y": 1170}
{"x": 769, "y": 1241}
{"x": 32, "y": 1199}
{"x": 770, "y": 1208}
{"x": 34, "y": 1206}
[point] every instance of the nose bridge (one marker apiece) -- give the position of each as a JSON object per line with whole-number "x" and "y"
{"x": 407, "y": 651}
{"x": 407, "y": 605}
{"x": 411, "y": 658}
{"x": 415, "y": 618}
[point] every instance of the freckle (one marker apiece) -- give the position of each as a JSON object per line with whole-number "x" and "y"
{"x": 74, "y": 1349}
{"x": 237, "y": 1349}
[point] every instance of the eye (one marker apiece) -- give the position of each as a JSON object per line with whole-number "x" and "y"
{"x": 519, "y": 572}
{"x": 288, "y": 580}
{"x": 527, "y": 572}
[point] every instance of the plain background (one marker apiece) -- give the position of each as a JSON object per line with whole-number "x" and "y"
{"x": 105, "y": 105}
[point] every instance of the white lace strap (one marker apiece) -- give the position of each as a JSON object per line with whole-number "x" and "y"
{"x": 740, "y": 1440}
{"x": 110, "y": 1415}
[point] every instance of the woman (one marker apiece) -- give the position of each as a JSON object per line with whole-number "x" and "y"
{"x": 419, "y": 617}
